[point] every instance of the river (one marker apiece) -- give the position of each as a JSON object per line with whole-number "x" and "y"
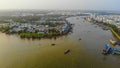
{"x": 86, "y": 53}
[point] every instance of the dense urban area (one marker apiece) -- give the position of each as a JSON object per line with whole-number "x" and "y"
{"x": 35, "y": 24}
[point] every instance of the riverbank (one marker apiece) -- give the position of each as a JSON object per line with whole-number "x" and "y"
{"x": 36, "y": 35}
{"x": 114, "y": 33}
{"x": 107, "y": 26}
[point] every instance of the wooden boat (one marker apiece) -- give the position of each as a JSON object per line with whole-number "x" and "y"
{"x": 66, "y": 51}
{"x": 80, "y": 39}
{"x": 53, "y": 44}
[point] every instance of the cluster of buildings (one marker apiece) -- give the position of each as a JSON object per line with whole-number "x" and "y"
{"x": 112, "y": 19}
{"x": 34, "y": 22}
{"x": 35, "y": 28}
{"x": 65, "y": 28}
{"x": 23, "y": 27}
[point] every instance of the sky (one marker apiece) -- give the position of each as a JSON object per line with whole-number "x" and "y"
{"x": 61, "y": 4}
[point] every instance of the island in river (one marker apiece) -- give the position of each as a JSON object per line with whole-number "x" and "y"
{"x": 47, "y": 29}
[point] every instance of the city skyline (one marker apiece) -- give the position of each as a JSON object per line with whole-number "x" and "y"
{"x": 61, "y": 4}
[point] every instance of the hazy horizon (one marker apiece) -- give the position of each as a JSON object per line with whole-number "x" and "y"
{"x": 60, "y": 4}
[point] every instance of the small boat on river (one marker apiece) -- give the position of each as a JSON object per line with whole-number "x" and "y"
{"x": 80, "y": 39}
{"x": 66, "y": 51}
{"x": 53, "y": 44}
